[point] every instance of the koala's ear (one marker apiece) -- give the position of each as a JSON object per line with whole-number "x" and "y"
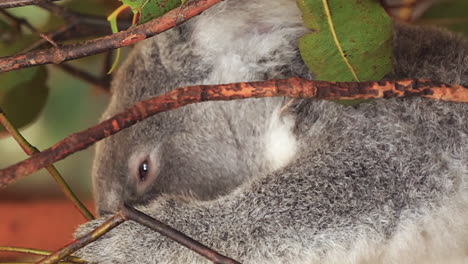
{"x": 143, "y": 169}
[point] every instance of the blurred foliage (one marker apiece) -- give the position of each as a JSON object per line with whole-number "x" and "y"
{"x": 23, "y": 93}
{"x": 63, "y": 103}
{"x": 452, "y": 14}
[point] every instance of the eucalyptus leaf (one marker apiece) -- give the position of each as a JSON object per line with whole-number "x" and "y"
{"x": 23, "y": 93}
{"x": 24, "y": 100}
{"x": 143, "y": 11}
{"x": 149, "y": 9}
{"x": 351, "y": 40}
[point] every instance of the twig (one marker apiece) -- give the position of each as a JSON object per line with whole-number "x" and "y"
{"x": 38, "y": 252}
{"x": 18, "y": 3}
{"x": 111, "y": 223}
{"x": 106, "y": 66}
{"x": 117, "y": 40}
{"x": 24, "y": 250}
{"x": 60, "y": 262}
{"x": 292, "y": 87}
{"x": 18, "y": 21}
{"x": 102, "y": 84}
{"x": 22, "y": 21}
{"x": 78, "y": 25}
{"x": 58, "y": 10}
{"x": 30, "y": 150}
{"x": 165, "y": 230}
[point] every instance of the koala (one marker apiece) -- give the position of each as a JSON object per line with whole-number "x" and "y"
{"x": 274, "y": 181}
{"x": 207, "y": 150}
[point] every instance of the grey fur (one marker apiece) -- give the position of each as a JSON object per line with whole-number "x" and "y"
{"x": 381, "y": 182}
{"x": 217, "y": 155}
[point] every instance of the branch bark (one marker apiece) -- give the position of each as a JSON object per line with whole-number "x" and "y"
{"x": 293, "y": 87}
{"x": 18, "y": 3}
{"x": 108, "y": 225}
{"x": 165, "y": 230}
{"x": 117, "y": 40}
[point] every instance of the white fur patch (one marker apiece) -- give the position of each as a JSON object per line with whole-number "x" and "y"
{"x": 280, "y": 143}
{"x": 234, "y": 43}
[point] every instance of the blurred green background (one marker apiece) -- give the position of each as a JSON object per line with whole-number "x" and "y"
{"x": 71, "y": 106}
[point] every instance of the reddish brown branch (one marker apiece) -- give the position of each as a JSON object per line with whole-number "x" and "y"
{"x": 165, "y": 230}
{"x": 121, "y": 39}
{"x": 111, "y": 223}
{"x": 293, "y": 87}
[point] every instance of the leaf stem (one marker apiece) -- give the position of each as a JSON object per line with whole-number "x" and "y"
{"x": 30, "y": 150}
{"x": 38, "y": 252}
{"x": 326, "y": 6}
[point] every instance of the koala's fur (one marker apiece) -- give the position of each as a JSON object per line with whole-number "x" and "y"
{"x": 204, "y": 150}
{"x": 380, "y": 182}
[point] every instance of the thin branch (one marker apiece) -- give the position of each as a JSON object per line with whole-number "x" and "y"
{"x": 102, "y": 84}
{"x": 21, "y": 21}
{"x": 165, "y": 230}
{"x": 18, "y": 3}
{"x": 60, "y": 262}
{"x": 30, "y": 150}
{"x": 33, "y": 251}
{"x": 78, "y": 25}
{"x": 121, "y": 39}
{"x": 108, "y": 225}
{"x": 58, "y": 10}
{"x": 24, "y": 250}
{"x": 292, "y": 87}
{"x": 106, "y": 66}
{"x": 18, "y": 21}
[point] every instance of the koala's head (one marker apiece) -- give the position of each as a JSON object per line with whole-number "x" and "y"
{"x": 202, "y": 150}
{"x": 183, "y": 152}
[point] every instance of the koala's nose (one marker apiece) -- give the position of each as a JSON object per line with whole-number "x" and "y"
{"x": 106, "y": 210}
{"x": 109, "y": 204}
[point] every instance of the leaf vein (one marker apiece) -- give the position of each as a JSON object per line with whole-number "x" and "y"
{"x": 335, "y": 38}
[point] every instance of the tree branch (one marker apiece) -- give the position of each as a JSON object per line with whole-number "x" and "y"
{"x": 39, "y": 252}
{"x": 18, "y": 3}
{"x": 24, "y": 22}
{"x": 165, "y": 230}
{"x": 129, "y": 213}
{"x": 293, "y": 87}
{"x": 117, "y": 40}
{"x": 103, "y": 83}
{"x": 30, "y": 150}
{"x": 108, "y": 225}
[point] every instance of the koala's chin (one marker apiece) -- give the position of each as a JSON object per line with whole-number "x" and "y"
{"x": 319, "y": 182}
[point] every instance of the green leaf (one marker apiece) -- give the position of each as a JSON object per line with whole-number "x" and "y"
{"x": 26, "y": 95}
{"x": 149, "y": 9}
{"x": 351, "y": 39}
{"x": 143, "y": 11}
{"x": 23, "y": 93}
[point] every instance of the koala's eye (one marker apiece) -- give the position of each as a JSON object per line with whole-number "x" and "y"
{"x": 143, "y": 170}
